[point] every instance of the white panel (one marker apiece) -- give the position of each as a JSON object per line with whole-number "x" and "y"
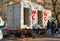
{"x": 47, "y": 15}
{"x": 13, "y": 17}
{"x": 10, "y": 16}
{"x": 17, "y": 14}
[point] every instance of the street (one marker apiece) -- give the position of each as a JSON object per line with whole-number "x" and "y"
{"x": 31, "y": 39}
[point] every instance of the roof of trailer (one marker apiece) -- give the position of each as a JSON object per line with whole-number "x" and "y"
{"x": 31, "y": 5}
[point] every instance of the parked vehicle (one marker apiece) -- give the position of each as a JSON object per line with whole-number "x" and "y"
{"x": 5, "y": 32}
{"x": 1, "y": 35}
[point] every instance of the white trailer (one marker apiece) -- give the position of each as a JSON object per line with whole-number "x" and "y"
{"x": 25, "y": 15}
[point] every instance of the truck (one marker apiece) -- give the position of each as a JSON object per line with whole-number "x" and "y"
{"x": 25, "y": 16}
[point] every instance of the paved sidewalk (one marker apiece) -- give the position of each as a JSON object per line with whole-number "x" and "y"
{"x": 58, "y": 36}
{"x": 40, "y": 39}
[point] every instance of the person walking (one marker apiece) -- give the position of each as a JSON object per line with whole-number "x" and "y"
{"x": 49, "y": 28}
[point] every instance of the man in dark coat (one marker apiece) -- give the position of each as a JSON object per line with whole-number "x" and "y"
{"x": 53, "y": 26}
{"x": 49, "y": 28}
{"x": 48, "y": 25}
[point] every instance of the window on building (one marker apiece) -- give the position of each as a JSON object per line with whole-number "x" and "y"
{"x": 40, "y": 17}
{"x": 26, "y": 17}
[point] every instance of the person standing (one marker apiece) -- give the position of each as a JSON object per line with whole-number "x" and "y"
{"x": 49, "y": 28}
{"x": 53, "y": 26}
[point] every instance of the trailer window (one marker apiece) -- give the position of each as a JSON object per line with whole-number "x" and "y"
{"x": 26, "y": 16}
{"x": 40, "y": 17}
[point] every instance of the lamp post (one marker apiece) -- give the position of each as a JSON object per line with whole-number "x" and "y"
{"x": 54, "y": 4}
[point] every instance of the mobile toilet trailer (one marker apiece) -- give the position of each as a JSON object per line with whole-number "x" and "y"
{"x": 24, "y": 15}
